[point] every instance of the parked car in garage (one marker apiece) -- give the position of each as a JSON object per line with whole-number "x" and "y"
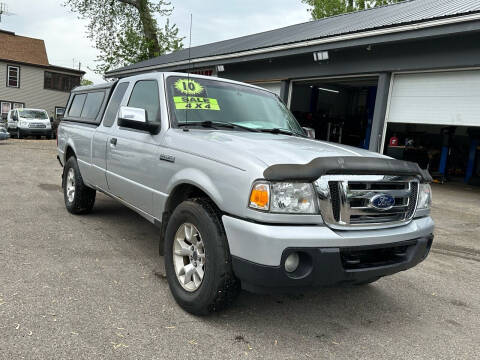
{"x": 241, "y": 195}
{"x": 29, "y": 122}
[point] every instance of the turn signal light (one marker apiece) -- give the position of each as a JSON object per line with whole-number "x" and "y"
{"x": 260, "y": 196}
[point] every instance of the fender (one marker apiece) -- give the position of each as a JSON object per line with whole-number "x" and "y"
{"x": 196, "y": 178}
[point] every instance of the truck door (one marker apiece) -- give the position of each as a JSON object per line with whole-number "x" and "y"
{"x": 132, "y": 162}
{"x": 103, "y": 134}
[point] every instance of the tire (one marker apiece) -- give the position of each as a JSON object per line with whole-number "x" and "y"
{"x": 83, "y": 197}
{"x": 218, "y": 287}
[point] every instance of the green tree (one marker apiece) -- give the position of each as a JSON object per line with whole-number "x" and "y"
{"x": 324, "y": 8}
{"x": 127, "y": 31}
{"x": 86, "y": 82}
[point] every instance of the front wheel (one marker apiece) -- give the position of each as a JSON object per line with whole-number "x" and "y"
{"x": 197, "y": 258}
{"x": 78, "y": 197}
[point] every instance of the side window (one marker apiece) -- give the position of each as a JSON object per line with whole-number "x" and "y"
{"x": 92, "y": 105}
{"x": 77, "y": 105}
{"x": 114, "y": 104}
{"x": 13, "y": 76}
{"x": 145, "y": 96}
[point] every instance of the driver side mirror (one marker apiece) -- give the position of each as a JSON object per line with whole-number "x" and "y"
{"x": 310, "y": 132}
{"x": 14, "y": 117}
{"x": 136, "y": 118}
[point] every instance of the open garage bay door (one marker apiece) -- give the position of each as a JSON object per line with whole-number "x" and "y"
{"x": 440, "y": 98}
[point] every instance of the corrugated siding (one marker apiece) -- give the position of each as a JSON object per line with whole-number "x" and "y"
{"x": 407, "y": 12}
{"x": 31, "y": 91}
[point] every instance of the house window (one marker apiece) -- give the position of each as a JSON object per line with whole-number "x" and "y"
{"x": 59, "y": 111}
{"x": 13, "y": 76}
{"x": 62, "y": 82}
{"x": 5, "y": 108}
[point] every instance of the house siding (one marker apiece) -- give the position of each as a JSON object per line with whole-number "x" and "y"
{"x": 31, "y": 91}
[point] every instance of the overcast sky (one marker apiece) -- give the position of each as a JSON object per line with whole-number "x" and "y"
{"x": 213, "y": 20}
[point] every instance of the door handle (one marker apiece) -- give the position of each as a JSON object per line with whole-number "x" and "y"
{"x": 113, "y": 141}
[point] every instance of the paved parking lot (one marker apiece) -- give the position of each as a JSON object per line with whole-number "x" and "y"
{"x": 92, "y": 287}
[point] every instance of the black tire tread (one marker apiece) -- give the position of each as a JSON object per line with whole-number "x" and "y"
{"x": 229, "y": 288}
{"x": 84, "y": 195}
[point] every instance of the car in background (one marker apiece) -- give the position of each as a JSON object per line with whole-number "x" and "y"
{"x": 4, "y": 135}
{"x": 29, "y": 122}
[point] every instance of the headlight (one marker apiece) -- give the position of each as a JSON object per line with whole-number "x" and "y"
{"x": 283, "y": 197}
{"x": 424, "y": 197}
{"x": 23, "y": 123}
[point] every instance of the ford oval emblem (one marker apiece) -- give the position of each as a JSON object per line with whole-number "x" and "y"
{"x": 382, "y": 202}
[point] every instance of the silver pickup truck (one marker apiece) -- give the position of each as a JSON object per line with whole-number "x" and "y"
{"x": 243, "y": 198}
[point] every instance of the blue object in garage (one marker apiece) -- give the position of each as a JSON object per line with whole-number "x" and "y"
{"x": 372, "y": 96}
{"x": 443, "y": 160}
{"x": 471, "y": 159}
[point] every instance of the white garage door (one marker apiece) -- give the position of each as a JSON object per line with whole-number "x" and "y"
{"x": 272, "y": 86}
{"x": 443, "y": 98}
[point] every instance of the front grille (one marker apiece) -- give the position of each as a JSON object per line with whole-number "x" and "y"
{"x": 349, "y": 201}
{"x": 353, "y": 259}
{"x": 37, "y": 126}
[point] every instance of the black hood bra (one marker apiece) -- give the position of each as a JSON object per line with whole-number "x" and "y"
{"x": 345, "y": 165}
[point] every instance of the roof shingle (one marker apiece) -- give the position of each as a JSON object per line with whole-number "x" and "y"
{"x": 22, "y": 49}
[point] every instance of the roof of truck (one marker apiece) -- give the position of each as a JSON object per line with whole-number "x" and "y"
{"x": 106, "y": 85}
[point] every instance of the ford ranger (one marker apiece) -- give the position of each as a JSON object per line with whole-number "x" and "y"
{"x": 242, "y": 197}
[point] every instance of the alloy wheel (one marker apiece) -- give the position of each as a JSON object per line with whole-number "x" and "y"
{"x": 189, "y": 257}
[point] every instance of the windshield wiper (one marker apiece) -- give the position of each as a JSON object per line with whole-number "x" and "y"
{"x": 279, "y": 131}
{"x": 217, "y": 124}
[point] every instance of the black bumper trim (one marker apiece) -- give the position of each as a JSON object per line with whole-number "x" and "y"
{"x": 326, "y": 267}
{"x": 33, "y": 132}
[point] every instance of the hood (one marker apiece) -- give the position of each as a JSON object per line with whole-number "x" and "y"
{"x": 240, "y": 148}
{"x": 32, "y": 119}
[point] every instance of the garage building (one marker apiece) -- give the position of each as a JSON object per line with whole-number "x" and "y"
{"x": 402, "y": 79}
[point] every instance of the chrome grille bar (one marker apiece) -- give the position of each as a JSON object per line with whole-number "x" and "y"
{"x": 347, "y": 201}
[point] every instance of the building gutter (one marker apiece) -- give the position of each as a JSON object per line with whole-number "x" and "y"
{"x": 306, "y": 43}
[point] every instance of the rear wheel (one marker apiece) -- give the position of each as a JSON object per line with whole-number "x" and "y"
{"x": 79, "y": 198}
{"x": 197, "y": 259}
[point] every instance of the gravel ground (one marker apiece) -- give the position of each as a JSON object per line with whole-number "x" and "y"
{"x": 86, "y": 287}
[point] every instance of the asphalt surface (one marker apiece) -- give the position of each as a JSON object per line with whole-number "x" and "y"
{"x": 92, "y": 287}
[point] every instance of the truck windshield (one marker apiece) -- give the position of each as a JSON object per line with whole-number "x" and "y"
{"x": 32, "y": 114}
{"x": 195, "y": 101}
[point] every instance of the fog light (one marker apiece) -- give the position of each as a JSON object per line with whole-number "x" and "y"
{"x": 291, "y": 262}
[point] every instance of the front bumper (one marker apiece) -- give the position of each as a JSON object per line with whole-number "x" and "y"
{"x": 327, "y": 257}
{"x": 35, "y": 132}
{"x": 332, "y": 266}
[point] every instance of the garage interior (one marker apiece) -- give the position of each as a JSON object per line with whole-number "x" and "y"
{"x": 339, "y": 110}
{"x": 431, "y": 120}
{"x": 449, "y": 153}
